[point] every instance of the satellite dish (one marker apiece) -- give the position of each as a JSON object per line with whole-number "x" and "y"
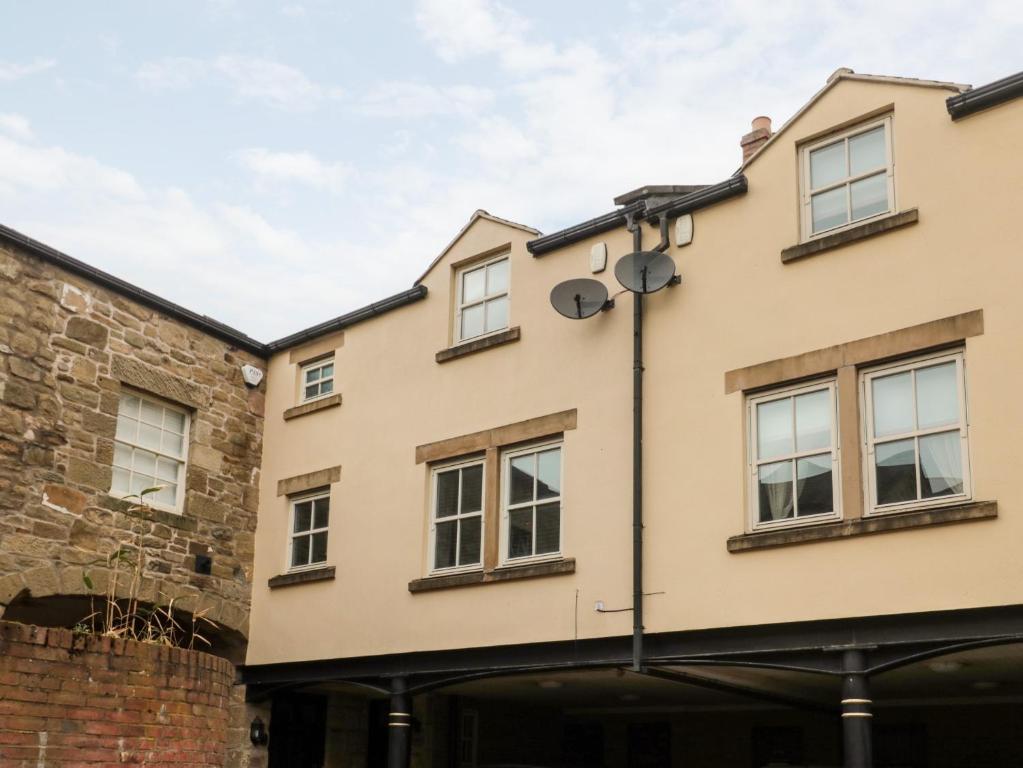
{"x": 579, "y": 299}
{"x": 645, "y": 271}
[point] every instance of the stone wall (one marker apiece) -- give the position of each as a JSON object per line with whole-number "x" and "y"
{"x": 67, "y": 348}
{"x": 95, "y": 701}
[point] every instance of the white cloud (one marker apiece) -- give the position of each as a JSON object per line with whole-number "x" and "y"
{"x": 16, "y": 126}
{"x": 252, "y": 78}
{"x": 13, "y": 71}
{"x": 416, "y": 100}
{"x": 300, "y": 167}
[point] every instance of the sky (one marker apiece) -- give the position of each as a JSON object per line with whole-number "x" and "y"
{"x": 273, "y": 164}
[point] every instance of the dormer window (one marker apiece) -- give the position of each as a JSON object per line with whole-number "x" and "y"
{"x": 317, "y": 379}
{"x": 481, "y": 299}
{"x": 848, "y": 178}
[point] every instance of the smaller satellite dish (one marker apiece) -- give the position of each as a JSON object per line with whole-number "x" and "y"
{"x": 645, "y": 271}
{"x": 580, "y": 298}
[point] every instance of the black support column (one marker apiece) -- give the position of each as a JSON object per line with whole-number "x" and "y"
{"x": 856, "y": 715}
{"x": 399, "y": 725}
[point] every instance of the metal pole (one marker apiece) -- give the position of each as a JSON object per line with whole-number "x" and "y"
{"x": 399, "y": 725}
{"x": 856, "y": 715}
{"x": 637, "y": 465}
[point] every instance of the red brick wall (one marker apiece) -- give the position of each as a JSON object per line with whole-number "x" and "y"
{"x": 93, "y": 702}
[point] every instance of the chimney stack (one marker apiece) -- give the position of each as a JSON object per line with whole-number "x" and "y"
{"x": 756, "y": 138}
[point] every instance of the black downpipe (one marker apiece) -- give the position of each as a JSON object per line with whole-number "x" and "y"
{"x": 637, "y": 460}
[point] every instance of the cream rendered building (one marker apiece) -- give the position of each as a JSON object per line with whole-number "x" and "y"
{"x": 831, "y": 521}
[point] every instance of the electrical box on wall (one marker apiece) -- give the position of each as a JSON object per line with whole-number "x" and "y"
{"x": 598, "y": 258}
{"x": 684, "y": 230}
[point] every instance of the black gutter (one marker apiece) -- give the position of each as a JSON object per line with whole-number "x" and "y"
{"x": 596, "y": 226}
{"x": 151, "y": 300}
{"x": 355, "y": 316}
{"x": 985, "y": 96}
{"x": 715, "y": 193}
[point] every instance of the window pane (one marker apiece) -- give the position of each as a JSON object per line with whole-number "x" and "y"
{"x": 827, "y": 165}
{"x": 775, "y": 491}
{"x": 548, "y": 474}
{"x": 129, "y": 406}
{"x": 447, "y": 493}
{"x": 127, "y": 429}
{"x": 937, "y": 396}
{"x": 172, "y": 443}
{"x": 168, "y": 494}
{"x": 122, "y": 456}
{"x": 497, "y": 277}
{"x": 167, "y": 470}
{"x": 139, "y": 483}
{"x": 469, "y": 546}
{"x": 145, "y": 462}
{"x": 497, "y": 314}
{"x": 326, "y": 387}
{"x": 522, "y": 469}
{"x": 941, "y": 465}
{"x": 896, "y": 471}
{"x": 303, "y": 516}
{"x": 867, "y": 152}
{"x": 869, "y": 196}
{"x": 520, "y": 532}
{"x": 300, "y": 551}
{"x": 472, "y": 488}
{"x": 327, "y": 371}
{"x": 774, "y": 428}
{"x": 152, "y": 414}
{"x": 813, "y": 420}
{"x": 321, "y": 513}
{"x": 472, "y": 321}
{"x": 548, "y": 528}
{"x": 174, "y": 421}
{"x": 444, "y": 545}
{"x": 813, "y": 484}
{"x": 473, "y": 285}
{"x": 149, "y": 437}
{"x": 313, "y": 374}
{"x": 893, "y": 404}
{"x": 120, "y": 481}
{"x": 829, "y": 209}
{"x": 319, "y": 554}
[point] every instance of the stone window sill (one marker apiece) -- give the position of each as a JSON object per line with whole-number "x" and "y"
{"x": 316, "y": 405}
{"x": 478, "y": 345}
{"x": 851, "y": 235}
{"x": 509, "y": 573}
{"x": 171, "y": 519}
{"x": 302, "y": 577}
{"x": 843, "y": 529}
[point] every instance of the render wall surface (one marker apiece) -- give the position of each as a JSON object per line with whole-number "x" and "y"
{"x": 76, "y": 701}
{"x": 738, "y": 305}
{"x": 68, "y": 348}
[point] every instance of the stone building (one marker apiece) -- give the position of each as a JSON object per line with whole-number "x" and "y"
{"x": 106, "y": 389}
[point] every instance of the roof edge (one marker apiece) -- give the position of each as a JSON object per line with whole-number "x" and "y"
{"x": 985, "y": 96}
{"x": 105, "y": 279}
{"x": 350, "y": 318}
{"x": 586, "y": 229}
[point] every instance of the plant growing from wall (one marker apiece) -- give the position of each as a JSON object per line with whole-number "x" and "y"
{"x": 127, "y": 617}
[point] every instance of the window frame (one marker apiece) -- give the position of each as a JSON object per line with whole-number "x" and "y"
{"x": 468, "y": 737}
{"x": 504, "y": 559}
{"x": 829, "y": 384}
{"x": 461, "y": 306}
{"x": 435, "y": 471}
{"x": 178, "y": 508}
{"x": 313, "y": 365}
{"x": 293, "y": 501}
{"x": 869, "y": 479}
{"x": 807, "y": 192}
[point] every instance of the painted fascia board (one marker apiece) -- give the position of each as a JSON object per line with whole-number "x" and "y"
{"x": 481, "y": 214}
{"x": 832, "y": 82}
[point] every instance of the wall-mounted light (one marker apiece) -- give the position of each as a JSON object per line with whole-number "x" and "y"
{"x": 258, "y": 734}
